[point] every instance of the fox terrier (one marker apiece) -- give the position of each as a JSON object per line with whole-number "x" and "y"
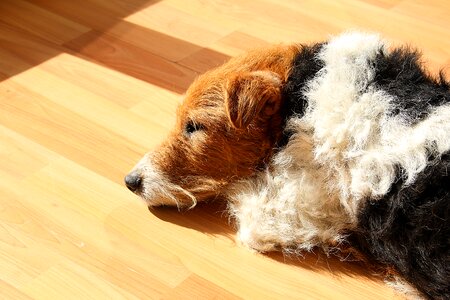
{"x": 341, "y": 142}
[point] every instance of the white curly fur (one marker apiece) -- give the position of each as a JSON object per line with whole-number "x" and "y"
{"x": 345, "y": 149}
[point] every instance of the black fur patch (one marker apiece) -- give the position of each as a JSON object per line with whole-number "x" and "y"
{"x": 400, "y": 74}
{"x": 409, "y": 229}
{"x": 304, "y": 68}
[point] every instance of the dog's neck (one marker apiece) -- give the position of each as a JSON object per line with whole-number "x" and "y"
{"x": 305, "y": 66}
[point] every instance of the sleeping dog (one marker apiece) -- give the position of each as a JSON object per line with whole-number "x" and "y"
{"x": 322, "y": 145}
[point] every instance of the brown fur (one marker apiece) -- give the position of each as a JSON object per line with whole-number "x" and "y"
{"x": 235, "y": 109}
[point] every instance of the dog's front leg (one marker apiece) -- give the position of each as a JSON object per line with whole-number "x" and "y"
{"x": 263, "y": 218}
{"x": 287, "y": 210}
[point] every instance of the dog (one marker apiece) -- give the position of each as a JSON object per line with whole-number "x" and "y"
{"x": 343, "y": 142}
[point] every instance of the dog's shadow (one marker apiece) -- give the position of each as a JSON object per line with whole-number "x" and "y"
{"x": 211, "y": 218}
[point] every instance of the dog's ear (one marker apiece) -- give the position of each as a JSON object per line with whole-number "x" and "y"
{"x": 250, "y": 95}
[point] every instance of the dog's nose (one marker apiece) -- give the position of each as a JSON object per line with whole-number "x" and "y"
{"x": 133, "y": 181}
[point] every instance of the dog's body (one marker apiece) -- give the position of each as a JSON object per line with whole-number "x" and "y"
{"x": 321, "y": 145}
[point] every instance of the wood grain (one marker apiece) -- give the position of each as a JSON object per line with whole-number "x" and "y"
{"x": 86, "y": 88}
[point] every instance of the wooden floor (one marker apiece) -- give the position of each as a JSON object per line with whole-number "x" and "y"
{"x": 87, "y": 87}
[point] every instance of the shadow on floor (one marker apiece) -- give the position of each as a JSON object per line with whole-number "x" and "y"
{"x": 212, "y": 218}
{"x": 98, "y": 33}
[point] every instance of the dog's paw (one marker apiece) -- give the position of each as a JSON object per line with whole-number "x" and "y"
{"x": 252, "y": 241}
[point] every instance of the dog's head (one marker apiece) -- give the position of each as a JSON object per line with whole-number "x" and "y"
{"x": 226, "y": 129}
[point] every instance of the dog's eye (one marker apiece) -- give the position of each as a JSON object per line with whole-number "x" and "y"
{"x": 192, "y": 127}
